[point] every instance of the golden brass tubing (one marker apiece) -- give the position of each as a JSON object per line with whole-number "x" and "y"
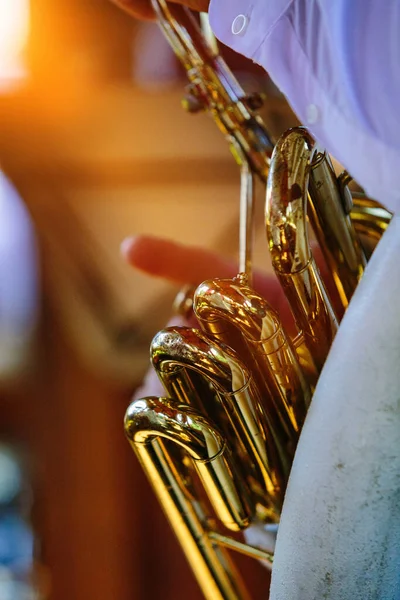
{"x": 214, "y": 88}
{"x": 332, "y": 226}
{"x": 246, "y": 220}
{"x": 211, "y": 456}
{"x": 251, "y": 551}
{"x": 326, "y": 208}
{"x": 231, "y": 312}
{"x": 210, "y": 377}
{"x": 292, "y": 259}
{"x": 369, "y": 217}
{"x": 239, "y": 390}
{"x": 145, "y": 424}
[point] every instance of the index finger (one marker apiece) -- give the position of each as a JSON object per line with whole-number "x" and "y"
{"x": 183, "y": 264}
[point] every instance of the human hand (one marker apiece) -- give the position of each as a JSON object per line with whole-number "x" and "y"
{"x": 141, "y": 9}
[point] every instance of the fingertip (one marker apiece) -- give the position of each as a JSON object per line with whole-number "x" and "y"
{"x": 126, "y": 247}
{"x": 137, "y": 244}
{"x": 144, "y": 252}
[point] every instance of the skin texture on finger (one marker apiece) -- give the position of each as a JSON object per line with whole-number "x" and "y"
{"x": 141, "y": 9}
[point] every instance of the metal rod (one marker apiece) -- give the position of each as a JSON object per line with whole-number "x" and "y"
{"x": 246, "y": 223}
{"x": 208, "y": 33}
{"x": 241, "y": 547}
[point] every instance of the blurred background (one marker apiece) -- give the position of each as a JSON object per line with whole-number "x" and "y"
{"x": 94, "y": 146}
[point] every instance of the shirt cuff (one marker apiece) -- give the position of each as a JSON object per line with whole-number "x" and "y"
{"x": 243, "y": 25}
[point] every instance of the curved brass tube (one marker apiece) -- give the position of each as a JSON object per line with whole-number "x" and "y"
{"x": 213, "y": 87}
{"x": 333, "y": 227}
{"x": 210, "y": 377}
{"x": 292, "y": 259}
{"x": 146, "y": 422}
{"x": 242, "y": 371}
{"x": 212, "y": 458}
{"x": 369, "y": 217}
{"x": 231, "y": 312}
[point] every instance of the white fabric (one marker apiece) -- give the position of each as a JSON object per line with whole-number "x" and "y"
{"x": 339, "y": 536}
{"x": 338, "y": 62}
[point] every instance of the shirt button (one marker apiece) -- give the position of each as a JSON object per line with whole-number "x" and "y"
{"x": 312, "y": 114}
{"x": 239, "y": 25}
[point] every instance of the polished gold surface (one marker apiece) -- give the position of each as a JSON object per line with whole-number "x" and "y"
{"x": 212, "y": 379}
{"x": 209, "y": 561}
{"x": 330, "y": 200}
{"x": 212, "y": 87}
{"x": 233, "y": 313}
{"x": 239, "y": 388}
{"x": 369, "y": 217}
{"x": 287, "y": 233}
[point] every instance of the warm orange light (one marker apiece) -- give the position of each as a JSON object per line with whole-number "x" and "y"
{"x": 14, "y": 28}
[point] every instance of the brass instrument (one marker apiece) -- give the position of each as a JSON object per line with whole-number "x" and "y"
{"x": 238, "y": 389}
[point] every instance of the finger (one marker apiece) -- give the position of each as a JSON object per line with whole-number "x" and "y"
{"x": 182, "y": 264}
{"x": 175, "y": 262}
{"x": 189, "y": 264}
